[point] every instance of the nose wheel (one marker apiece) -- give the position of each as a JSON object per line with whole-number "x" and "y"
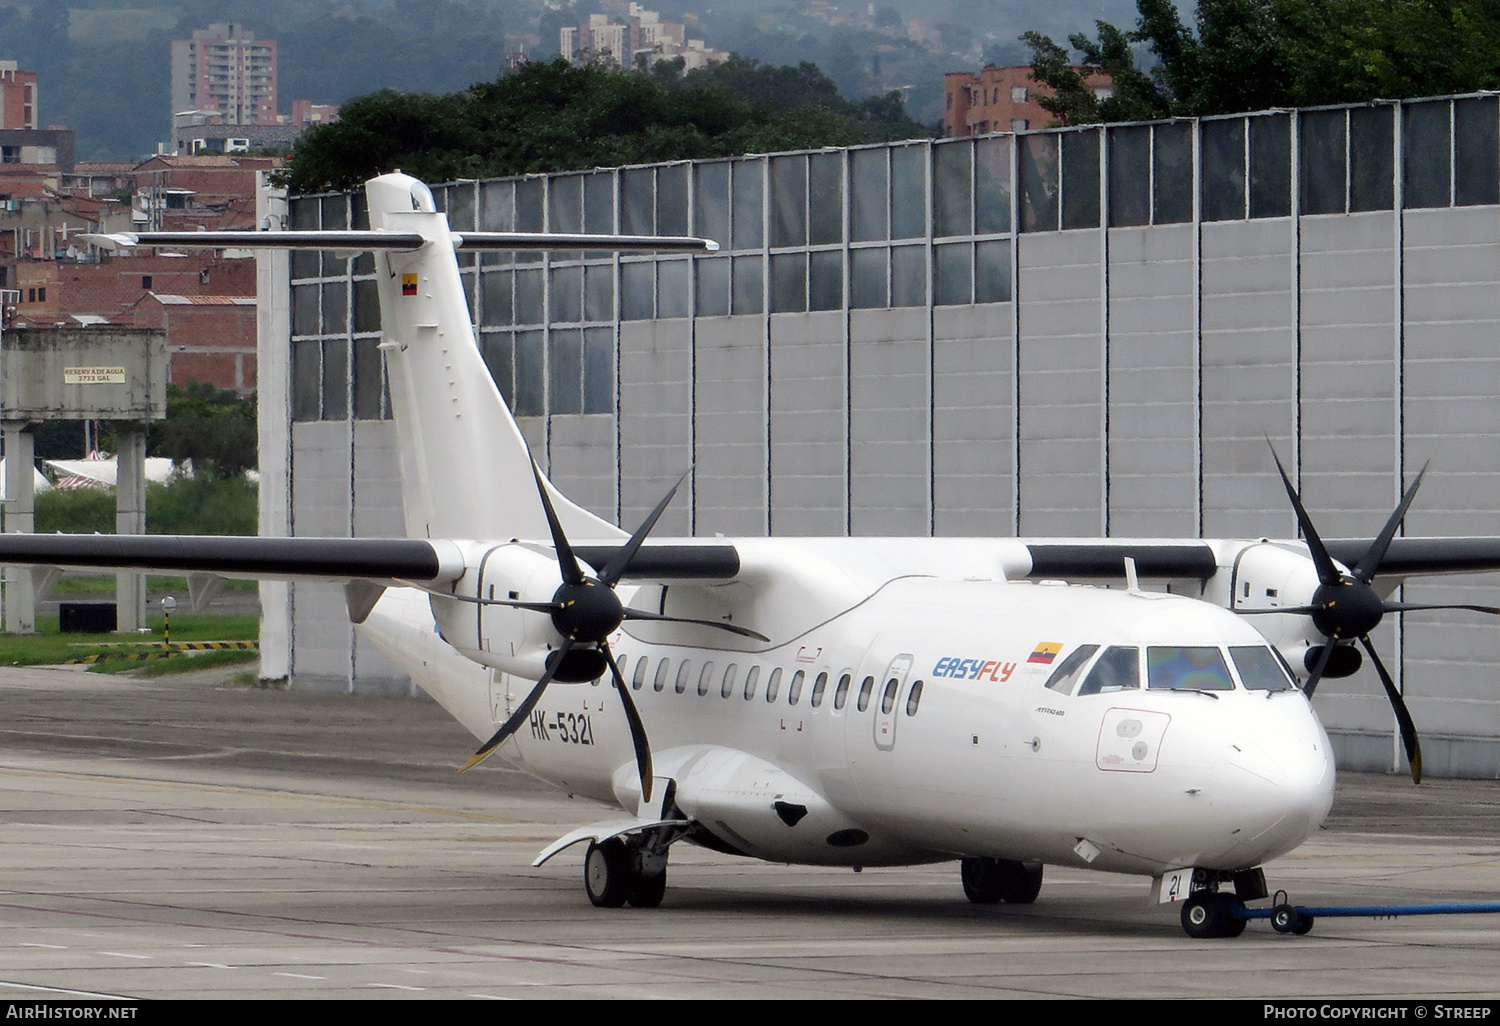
{"x": 1209, "y": 914}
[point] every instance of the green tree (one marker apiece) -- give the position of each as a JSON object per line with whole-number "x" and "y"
{"x": 214, "y": 428}
{"x": 1258, "y": 54}
{"x": 551, "y": 116}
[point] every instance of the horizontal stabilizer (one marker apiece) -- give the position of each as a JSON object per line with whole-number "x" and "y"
{"x": 349, "y": 241}
{"x": 355, "y": 241}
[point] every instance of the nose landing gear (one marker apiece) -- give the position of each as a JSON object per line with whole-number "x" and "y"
{"x": 1209, "y": 914}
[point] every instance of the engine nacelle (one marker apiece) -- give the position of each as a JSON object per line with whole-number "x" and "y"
{"x": 509, "y": 638}
{"x": 1269, "y": 576}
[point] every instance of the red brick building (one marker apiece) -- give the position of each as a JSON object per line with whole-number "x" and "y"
{"x": 177, "y": 194}
{"x": 209, "y": 338}
{"x": 18, "y": 106}
{"x": 114, "y": 286}
{"x": 204, "y": 301}
{"x": 1000, "y": 100}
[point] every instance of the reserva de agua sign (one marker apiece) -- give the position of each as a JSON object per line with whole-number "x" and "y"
{"x": 93, "y": 375}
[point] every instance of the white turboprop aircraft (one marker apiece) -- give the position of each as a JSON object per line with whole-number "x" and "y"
{"x": 831, "y": 701}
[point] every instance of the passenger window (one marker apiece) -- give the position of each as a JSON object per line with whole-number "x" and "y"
{"x": 913, "y": 699}
{"x": 683, "y": 673}
{"x": 640, "y": 674}
{"x": 661, "y": 675}
{"x": 752, "y": 677}
{"x": 703, "y": 678}
{"x": 1067, "y": 672}
{"x": 888, "y": 700}
{"x": 1118, "y": 669}
{"x": 819, "y": 685}
{"x": 1183, "y": 668}
{"x": 794, "y": 691}
{"x": 1260, "y": 669}
{"x": 773, "y": 685}
{"x": 730, "y": 673}
{"x": 866, "y": 689}
{"x": 841, "y": 693}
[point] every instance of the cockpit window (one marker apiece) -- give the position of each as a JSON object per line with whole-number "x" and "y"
{"x": 1259, "y": 668}
{"x": 1118, "y": 669}
{"x": 1067, "y": 672}
{"x": 1183, "y": 668}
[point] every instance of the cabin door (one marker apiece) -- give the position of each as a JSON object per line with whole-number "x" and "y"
{"x": 888, "y": 701}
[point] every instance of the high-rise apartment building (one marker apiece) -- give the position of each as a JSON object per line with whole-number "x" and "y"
{"x": 17, "y": 96}
{"x": 225, "y": 70}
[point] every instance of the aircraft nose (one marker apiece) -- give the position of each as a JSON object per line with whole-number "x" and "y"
{"x": 1279, "y": 788}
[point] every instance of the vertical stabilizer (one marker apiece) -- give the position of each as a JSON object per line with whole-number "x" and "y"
{"x": 466, "y": 470}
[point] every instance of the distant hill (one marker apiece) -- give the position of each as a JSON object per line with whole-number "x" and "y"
{"x": 104, "y": 64}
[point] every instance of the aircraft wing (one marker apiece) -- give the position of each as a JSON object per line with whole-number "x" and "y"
{"x": 1105, "y": 558}
{"x": 392, "y": 560}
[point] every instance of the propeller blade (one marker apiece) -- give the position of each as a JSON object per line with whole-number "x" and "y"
{"x": 637, "y": 728}
{"x": 1408, "y": 607}
{"x": 1369, "y": 563}
{"x": 1317, "y": 674}
{"x": 744, "y": 632}
{"x": 1293, "y": 610}
{"x": 523, "y": 710}
{"x": 1327, "y": 572}
{"x": 616, "y": 568}
{"x": 571, "y": 572}
{"x": 1403, "y": 717}
{"x": 535, "y": 607}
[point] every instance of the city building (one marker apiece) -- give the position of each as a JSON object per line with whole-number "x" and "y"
{"x": 1074, "y": 332}
{"x": 210, "y": 338}
{"x": 18, "y": 99}
{"x": 225, "y": 70}
{"x": 203, "y": 191}
{"x": 642, "y": 33}
{"x": 1000, "y": 100}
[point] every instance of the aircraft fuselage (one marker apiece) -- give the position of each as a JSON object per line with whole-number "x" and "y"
{"x": 918, "y": 726}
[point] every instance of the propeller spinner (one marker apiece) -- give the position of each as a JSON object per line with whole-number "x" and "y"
{"x": 586, "y": 611}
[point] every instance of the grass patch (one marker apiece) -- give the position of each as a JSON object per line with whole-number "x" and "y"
{"x": 181, "y": 662}
{"x": 85, "y": 585}
{"x": 49, "y": 646}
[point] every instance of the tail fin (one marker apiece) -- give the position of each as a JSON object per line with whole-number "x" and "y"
{"x": 465, "y": 468}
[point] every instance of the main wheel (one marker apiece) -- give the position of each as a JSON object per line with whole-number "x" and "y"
{"x": 647, "y": 891}
{"x": 1208, "y": 915}
{"x": 1022, "y": 881}
{"x": 607, "y": 873}
{"x": 983, "y": 880}
{"x": 987, "y": 881}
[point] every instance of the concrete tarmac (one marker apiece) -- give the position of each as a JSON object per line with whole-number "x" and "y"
{"x": 182, "y": 838}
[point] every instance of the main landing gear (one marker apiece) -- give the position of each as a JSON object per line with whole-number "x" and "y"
{"x": 616, "y": 872}
{"x": 990, "y": 881}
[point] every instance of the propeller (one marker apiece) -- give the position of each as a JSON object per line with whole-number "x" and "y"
{"x": 586, "y": 611}
{"x": 1345, "y": 606}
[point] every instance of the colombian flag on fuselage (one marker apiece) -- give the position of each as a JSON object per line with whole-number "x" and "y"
{"x": 1045, "y": 652}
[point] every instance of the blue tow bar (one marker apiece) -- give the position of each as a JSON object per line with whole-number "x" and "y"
{"x": 1288, "y": 918}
